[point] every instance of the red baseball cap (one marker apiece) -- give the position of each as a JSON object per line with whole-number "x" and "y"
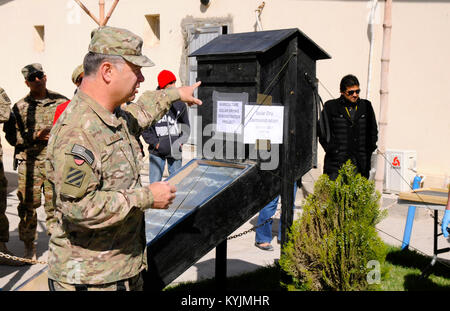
{"x": 165, "y": 77}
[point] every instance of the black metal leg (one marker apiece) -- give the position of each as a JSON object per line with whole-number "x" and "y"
{"x": 221, "y": 265}
{"x": 436, "y": 225}
{"x": 427, "y": 271}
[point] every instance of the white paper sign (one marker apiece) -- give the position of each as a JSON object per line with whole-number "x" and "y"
{"x": 263, "y": 122}
{"x": 229, "y": 116}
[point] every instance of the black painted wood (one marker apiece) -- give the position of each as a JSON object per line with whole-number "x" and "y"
{"x": 183, "y": 244}
{"x": 278, "y": 63}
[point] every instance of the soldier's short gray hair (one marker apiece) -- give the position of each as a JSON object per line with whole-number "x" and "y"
{"x": 92, "y": 61}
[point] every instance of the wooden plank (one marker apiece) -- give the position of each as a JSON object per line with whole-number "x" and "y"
{"x": 176, "y": 179}
{"x": 223, "y": 164}
{"x": 179, "y": 176}
{"x": 419, "y": 195}
{"x": 288, "y": 148}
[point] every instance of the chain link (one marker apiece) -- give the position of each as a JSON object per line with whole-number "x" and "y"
{"x": 33, "y": 261}
{"x": 249, "y": 230}
{"x": 30, "y": 261}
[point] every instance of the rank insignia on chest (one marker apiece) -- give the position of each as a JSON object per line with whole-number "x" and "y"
{"x": 74, "y": 177}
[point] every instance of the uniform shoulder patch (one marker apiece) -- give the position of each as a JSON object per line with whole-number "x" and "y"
{"x": 74, "y": 177}
{"x": 83, "y": 153}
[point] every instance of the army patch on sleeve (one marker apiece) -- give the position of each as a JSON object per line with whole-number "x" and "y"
{"x": 74, "y": 177}
{"x": 83, "y": 153}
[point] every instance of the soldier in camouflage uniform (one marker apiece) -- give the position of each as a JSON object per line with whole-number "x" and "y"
{"x": 34, "y": 118}
{"x": 5, "y": 111}
{"x": 94, "y": 161}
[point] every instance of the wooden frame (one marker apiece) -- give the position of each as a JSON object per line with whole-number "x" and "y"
{"x": 187, "y": 169}
{"x": 102, "y": 20}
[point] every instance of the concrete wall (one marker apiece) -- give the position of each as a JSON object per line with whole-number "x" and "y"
{"x": 419, "y": 106}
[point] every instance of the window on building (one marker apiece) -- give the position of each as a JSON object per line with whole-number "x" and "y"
{"x": 39, "y": 38}
{"x": 152, "y": 32}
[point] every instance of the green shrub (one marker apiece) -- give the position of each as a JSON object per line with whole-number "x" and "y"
{"x": 330, "y": 245}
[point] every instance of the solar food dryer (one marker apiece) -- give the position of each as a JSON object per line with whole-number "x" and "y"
{"x": 256, "y": 136}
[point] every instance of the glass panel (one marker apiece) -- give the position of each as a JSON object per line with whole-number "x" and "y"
{"x": 196, "y": 183}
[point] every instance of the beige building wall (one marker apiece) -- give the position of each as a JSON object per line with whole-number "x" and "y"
{"x": 419, "y": 81}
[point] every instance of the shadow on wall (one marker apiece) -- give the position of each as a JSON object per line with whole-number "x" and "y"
{"x": 4, "y": 1}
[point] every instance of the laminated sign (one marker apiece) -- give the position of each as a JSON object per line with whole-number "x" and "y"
{"x": 233, "y": 115}
{"x": 229, "y": 111}
{"x": 263, "y": 123}
{"x": 229, "y": 116}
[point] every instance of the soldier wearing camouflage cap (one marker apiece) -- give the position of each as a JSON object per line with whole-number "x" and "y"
{"x": 94, "y": 161}
{"x": 34, "y": 117}
{"x": 77, "y": 75}
{"x": 5, "y": 111}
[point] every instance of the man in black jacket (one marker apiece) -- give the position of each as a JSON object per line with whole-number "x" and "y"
{"x": 349, "y": 131}
{"x": 166, "y": 137}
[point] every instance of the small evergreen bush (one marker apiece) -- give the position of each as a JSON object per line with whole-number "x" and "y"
{"x": 330, "y": 245}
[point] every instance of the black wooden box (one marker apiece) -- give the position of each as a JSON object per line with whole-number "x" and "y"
{"x": 277, "y": 63}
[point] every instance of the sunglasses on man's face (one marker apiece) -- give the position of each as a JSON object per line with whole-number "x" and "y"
{"x": 33, "y": 76}
{"x": 350, "y": 93}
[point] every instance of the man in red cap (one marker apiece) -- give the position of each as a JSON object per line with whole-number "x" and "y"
{"x": 166, "y": 137}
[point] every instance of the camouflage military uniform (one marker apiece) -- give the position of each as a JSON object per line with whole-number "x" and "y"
{"x": 4, "y": 116}
{"x": 94, "y": 161}
{"x": 31, "y": 117}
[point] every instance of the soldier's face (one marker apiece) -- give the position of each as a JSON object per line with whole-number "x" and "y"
{"x": 129, "y": 80}
{"x": 37, "y": 82}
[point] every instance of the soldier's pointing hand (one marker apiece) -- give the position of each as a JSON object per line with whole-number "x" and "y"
{"x": 186, "y": 94}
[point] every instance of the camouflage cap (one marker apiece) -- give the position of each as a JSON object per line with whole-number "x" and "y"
{"x": 32, "y": 68}
{"x": 76, "y": 73}
{"x": 117, "y": 41}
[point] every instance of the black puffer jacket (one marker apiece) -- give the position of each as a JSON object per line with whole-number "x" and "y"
{"x": 355, "y": 140}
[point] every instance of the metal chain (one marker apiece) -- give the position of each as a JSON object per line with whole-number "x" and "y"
{"x": 249, "y": 230}
{"x": 30, "y": 261}
{"x": 442, "y": 261}
{"x": 33, "y": 261}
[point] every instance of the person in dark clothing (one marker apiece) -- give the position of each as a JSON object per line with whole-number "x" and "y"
{"x": 350, "y": 130}
{"x": 166, "y": 137}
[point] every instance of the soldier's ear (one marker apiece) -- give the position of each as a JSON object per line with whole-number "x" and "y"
{"x": 105, "y": 70}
